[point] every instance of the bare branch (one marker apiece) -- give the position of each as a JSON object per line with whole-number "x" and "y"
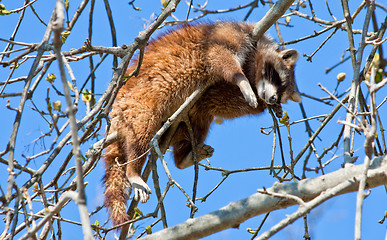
{"x": 356, "y": 61}
{"x": 271, "y": 17}
{"x": 338, "y": 182}
{"x": 81, "y": 197}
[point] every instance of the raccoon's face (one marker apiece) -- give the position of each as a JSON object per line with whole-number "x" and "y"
{"x": 275, "y": 80}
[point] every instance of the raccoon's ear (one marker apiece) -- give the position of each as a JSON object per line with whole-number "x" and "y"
{"x": 290, "y": 56}
{"x": 295, "y": 97}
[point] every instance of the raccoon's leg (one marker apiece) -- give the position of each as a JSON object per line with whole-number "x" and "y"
{"x": 136, "y": 137}
{"x": 228, "y": 65}
{"x": 136, "y": 157}
{"x": 245, "y": 87}
{"x": 181, "y": 142}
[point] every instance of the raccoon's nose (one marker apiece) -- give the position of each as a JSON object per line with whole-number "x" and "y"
{"x": 273, "y": 99}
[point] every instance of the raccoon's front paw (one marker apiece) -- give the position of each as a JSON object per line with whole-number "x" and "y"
{"x": 248, "y": 93}
{"x": 251, "y": 99}
{"x": 140, "y": 188}
{"x": 204, "y": 151}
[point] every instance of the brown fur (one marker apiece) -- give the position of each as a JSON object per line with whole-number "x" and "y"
{"x": 175, "y": 65}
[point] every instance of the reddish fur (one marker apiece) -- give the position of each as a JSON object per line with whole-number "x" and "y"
{"x": 173, "y": 67}
{"x": 222, "y": 100}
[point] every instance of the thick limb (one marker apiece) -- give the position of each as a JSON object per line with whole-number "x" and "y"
{"x": 181, "y": 143}
{"x": 228, "y": 66}
{"x": 135, "y": 161}
{"x": 136, "y": 138}
{"x": 245, "y": 87}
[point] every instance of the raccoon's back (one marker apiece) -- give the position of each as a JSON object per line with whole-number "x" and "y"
{"x": 177, "y": 63}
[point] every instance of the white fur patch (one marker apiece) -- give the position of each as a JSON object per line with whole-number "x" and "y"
{"x": 266, "y": 91}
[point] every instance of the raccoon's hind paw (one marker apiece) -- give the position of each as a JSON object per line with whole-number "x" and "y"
{"x": 140, "y": 188}
{"x": 204, "y": 151}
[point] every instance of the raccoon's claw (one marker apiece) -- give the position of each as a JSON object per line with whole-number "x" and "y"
{"x": 140, "y": 188}
{"x": 140, "y": 194}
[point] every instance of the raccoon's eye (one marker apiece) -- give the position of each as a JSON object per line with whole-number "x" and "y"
{"x": 272, "y": 75}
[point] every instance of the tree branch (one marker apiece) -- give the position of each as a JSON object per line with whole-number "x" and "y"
{"x": 71, "y": 108}
{"x": 278, "y": 9}
{"x": 308, "y": 189}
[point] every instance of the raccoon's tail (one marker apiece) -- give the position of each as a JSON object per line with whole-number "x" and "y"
{"x": 116, "y": 184}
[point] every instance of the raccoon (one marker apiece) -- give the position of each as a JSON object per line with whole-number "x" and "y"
{"x": 177, "y": 63}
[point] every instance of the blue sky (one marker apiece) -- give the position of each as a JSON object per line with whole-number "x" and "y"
{"x": 238, "y": 143}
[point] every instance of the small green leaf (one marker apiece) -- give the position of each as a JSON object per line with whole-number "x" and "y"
{"x": 36, "y": 188}
{"x": 379, "y": 76}
{"x": 51, "y": 77}
{"x": 3, "y": 11}
{"x": 148, "y": 230}
{"x": 285, "y": 119}
{"x": 86, "y": 96}
{"x": 66, "y": 5}
{"x": 164, "y": 3}
{"x": 376, "y": 60}
{"x": 287, "y": 19}
{"x": 70, "y": 86}
{"x": 49, "y": 107}
{"x": 64, "y": 35}
{"x": 95, "y": 226}
{"x": 137, "y": 213}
